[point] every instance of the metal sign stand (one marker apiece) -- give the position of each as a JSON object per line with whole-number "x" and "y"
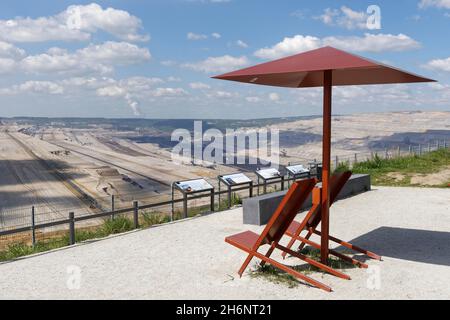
{"x": 269, "y": 175}
{"x": 316, "y": 169}
{"x": 296, "y": 172}
{"x": 189, "y": 189}
{"x": 234, "y": 180}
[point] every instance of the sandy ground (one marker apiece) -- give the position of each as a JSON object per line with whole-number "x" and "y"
{"x": 189, "y": 260}
{"x": 25, "y": 182}
{"x": 141, "y": 173}
{"x": 363, "y": 133}
{"x": 433, "y": 179}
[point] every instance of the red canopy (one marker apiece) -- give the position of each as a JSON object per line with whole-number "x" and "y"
{"x": 306, "y": 70}
{"x": 325, "y": 67}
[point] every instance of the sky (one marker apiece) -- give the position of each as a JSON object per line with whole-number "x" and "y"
{"x": 155, "y": 58}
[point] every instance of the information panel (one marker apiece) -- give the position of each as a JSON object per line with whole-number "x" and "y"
{"x": 269, "y": 173}
{"x": 235, "y": 179}
{"x": 194, "y": 185}
{"x": 297, "y": 170}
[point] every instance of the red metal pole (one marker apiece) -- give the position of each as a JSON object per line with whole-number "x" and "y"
{"x": 326, "y": 165}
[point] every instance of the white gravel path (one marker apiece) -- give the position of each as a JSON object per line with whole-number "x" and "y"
{"x": 409, "y": 227}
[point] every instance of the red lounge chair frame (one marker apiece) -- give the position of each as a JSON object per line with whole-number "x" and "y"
{"x": 250, "y": 242}
{"x": 313, "y": 219}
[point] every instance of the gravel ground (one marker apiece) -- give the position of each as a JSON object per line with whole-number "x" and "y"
{"x": 189, "y": 260}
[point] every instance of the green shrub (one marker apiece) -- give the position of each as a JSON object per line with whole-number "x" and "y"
{"x": 342, "y": 167}
{"x": 153, "y": 218}
{"x": 117, "y": 225}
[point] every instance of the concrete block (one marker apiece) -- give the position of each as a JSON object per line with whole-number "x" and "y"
{"x": 258, "y": 210}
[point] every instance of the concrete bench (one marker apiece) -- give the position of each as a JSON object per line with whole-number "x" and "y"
{"x": 258, "y": 210}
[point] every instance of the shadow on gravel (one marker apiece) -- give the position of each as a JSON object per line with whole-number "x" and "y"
{"x": 408, "y": 244}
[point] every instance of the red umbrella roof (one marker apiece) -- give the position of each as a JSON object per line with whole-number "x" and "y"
{"x": 306, "y": 70}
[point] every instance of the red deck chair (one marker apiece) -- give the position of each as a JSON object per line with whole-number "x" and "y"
{"x": 313, "y": 219}
{"x": 251, "y": 242}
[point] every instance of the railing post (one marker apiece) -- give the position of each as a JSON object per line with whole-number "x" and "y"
{"x": 136, "y": 214}
{"x": 212, "y": 200}
{"x": 399, "y": 151}
{"x": 356, "y": 158}
{"x": 420, "y": 149}
{"x": 71, "y": 228}
{"x": 185, "y": 206}
{"x": 33, "y": 227}
{"x": 113, "y": 206}
{"x": 386, "y": 154}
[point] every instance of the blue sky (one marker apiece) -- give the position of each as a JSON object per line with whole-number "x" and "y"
{"x": 154, "y": 59}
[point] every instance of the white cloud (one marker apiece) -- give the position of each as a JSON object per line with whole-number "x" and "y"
{"x": 253, "y": 99}
{"x": 38, "y": 87}
{"x": 368, "y": 43}
{"x": 439, "y": 65}
{"x": 241, "y": 44}
{"x": 198, "y": 36}
{"x": 9, "y": 57}
{"x": 173, "y": 79}
{"x": 138, "y": 88}
{"x": 111, "y": 91}
{"x": 91, "y": 83}
{"x": 222, "y": 95}
{"x": 374, "y": 43}
{"x": 118, "y": 53}
{"x": 218, "y": 64}
{"x": 195, "y": 36}
{"x": 8, "y": 50}
{"x": 435, "y": 3}
{"x": 95, "y": 58}
{"x": 76, "y": 23}
{"x": 132, "y": 90}
{"x": 289, "y": 46}
{"x": 345, "y": 17}
{"x": 168, "y": 63}
{"x": 199, "y": 86}
{"x": 168, "y": 92}
{"x": 7, "y": 65}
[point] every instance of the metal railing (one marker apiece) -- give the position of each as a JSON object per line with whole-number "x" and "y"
{"x": 71, "y": 220}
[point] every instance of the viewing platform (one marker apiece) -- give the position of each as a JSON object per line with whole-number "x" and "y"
{"x": 189, "y": 259}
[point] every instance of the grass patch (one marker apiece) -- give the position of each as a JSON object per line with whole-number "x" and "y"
{"x": 235, "y": 201}
{"x": 18, "y": 250}
{"x": 278, "y": 276}
{"x": 109, "y": 227}
{"x": 153, "y": 218}
{"x": 399, "y": 171}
